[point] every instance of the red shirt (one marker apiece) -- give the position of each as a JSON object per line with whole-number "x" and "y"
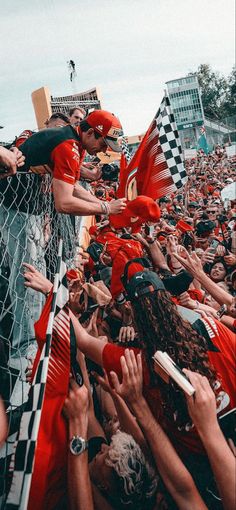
{"x": 66, "y": 160}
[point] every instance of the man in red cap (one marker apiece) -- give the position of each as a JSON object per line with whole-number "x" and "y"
{"x": 61, "y": 151}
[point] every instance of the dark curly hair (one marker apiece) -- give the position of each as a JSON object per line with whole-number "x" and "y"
{"x": 160, "y": 327}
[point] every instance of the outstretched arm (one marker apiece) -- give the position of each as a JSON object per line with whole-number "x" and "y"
{"x": 127, "y": 421}
{"x": 202, "y": 409}
{"x": 92, "y": 347}
{"x": 80, "y": 192}
{"x": 67, "y": 203}
{"x": 175, "y": 476}
{"x": 193, "y": 264}
{"x": 76, "y": 411}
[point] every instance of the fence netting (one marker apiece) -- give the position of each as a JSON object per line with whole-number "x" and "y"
{"x": 30, "y": 229}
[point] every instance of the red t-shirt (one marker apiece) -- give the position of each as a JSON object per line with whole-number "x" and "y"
{"x": 224, "y": 364}
{"x": 66, "y": 160}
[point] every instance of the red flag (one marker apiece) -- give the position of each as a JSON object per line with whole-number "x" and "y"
{"x": 49, "y": 480}
{"x": 157, "y": 167}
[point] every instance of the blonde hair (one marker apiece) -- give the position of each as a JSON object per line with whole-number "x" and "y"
{"x": 137, "y": 480}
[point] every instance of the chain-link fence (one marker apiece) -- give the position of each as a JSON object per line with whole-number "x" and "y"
{"x": 30, "y": 229}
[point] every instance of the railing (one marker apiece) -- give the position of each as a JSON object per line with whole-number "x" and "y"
{"x": 30, "y": 229}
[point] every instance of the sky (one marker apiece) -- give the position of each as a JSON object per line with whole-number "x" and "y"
{"x": 127, "y": 48}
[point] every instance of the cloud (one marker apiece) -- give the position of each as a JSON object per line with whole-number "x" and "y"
{"x": 128, "y": 48}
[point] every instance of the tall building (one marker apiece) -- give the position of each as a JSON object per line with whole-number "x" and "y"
{"x": 45, "y": 104}
{"x": 185, "y": 99}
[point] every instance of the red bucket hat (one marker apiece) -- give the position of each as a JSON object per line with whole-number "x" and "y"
{"x": 108, "y": 126}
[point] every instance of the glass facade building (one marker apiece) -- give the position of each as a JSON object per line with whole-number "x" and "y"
{"x": 185, "y": 99}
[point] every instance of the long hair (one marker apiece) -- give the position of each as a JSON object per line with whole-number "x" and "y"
{"x": 160, "y": 327}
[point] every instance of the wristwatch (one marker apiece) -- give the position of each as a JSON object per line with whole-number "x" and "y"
{"x": 78, "y": 445}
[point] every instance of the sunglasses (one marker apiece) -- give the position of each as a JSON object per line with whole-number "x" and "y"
{"x": 211, "y": 212}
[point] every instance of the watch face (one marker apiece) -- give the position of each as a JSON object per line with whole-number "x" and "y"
{"x": 76, "y": 445}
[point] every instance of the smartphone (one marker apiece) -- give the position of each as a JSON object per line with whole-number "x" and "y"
{"x": 213, "y": 245}
{"x": 149, "y": 229}
{"x": 222, "y": 310}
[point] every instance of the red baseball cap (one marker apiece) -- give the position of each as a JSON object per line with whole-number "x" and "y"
{"x": 142, "y": 208}
{"x": 108, "y": 126}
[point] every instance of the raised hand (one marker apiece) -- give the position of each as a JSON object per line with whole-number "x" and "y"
{"x": 77, "y": 401}
{"x": 130, "y": 389}
{"x": 191, "y": 262}
{"x": 126, "y": 334}
{"x": 202, "y": 405}
{"x": 208, "y": 256}
{"x": 230, "y": 259}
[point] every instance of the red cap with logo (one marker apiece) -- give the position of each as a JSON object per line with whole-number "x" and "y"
{"x": 108, "y": 126}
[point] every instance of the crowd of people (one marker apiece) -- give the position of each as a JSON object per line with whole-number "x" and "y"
{"x": 156, "y": 276}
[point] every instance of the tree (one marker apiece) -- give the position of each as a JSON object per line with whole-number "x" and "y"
{"x": 230, "y": 103}
{"x": 217, "y": 92}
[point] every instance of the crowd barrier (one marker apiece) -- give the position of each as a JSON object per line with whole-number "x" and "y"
{"x": 30, "y": 229}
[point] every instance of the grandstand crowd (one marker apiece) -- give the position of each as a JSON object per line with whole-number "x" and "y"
{"x": 157, "y": 275}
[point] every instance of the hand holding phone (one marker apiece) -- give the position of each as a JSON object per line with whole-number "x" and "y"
{"x": 213, "y": 245}
{"x": 222, "y": 310}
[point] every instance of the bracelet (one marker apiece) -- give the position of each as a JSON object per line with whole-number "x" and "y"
{"x": 46, "y": 294}
{"x": 151, "y": 242}
{"x": 105, "y": 208}
{"x": 108, "y": 210}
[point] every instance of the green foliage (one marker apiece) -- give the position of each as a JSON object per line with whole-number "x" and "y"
{"x": 218, "y": 93}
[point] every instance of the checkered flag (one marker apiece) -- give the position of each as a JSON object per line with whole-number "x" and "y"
{"x": 156, "y": 169}
{"x": 125, "y": 150}
{"x": 43, "y": 381}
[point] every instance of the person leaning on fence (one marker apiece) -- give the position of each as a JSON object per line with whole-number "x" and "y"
{"x": 20, "y": 241}
{"x": 60, "y": 152}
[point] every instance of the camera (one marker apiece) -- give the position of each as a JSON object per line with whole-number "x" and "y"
{"x": 110, "y": 172}
{"x": 100, "y": 193}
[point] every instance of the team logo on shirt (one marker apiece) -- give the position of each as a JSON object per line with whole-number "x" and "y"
{"x": 76, "y": 155}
